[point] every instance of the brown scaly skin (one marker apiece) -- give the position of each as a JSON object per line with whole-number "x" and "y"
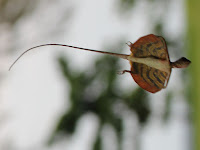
{"x": 180, "y": 63}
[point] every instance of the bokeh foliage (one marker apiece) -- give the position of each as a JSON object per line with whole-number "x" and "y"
{"x": 12, "y": 10}
{"x": 102, "y": 101}
{"x": 96, "y": 92}
{"x": 193, "y": 10}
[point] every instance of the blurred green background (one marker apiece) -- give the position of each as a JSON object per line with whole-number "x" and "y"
{"x": 114, "y": 111}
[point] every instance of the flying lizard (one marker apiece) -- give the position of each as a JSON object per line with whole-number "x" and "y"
{"x": 149, "y": 59}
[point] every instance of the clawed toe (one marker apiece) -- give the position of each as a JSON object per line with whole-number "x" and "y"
{"x": 122, "y": 72}
{"x": 129, "y": 43}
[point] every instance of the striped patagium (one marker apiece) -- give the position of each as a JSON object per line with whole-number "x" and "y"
{"x": 149, "y": 60}
{"x": 149, "y": 77}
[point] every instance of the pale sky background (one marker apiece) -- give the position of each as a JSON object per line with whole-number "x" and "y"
{"x": 32, "y": 95}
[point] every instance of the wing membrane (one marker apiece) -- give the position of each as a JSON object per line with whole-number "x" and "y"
{"x": 150, "y": 45}
{"x": 150, "y": 79}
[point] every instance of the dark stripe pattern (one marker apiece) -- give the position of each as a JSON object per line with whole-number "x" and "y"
{"x": 152, "y": 76}
{"x": 149, "y": 46}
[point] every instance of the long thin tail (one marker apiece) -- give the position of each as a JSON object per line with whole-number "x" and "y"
{"x": 86, "y": 49}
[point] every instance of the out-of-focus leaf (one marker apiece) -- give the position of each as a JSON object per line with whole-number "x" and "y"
{"x": 138, "y": 101}
{"x": 158, "y": 28}
{"x": 12, "y": 10}
{"x": 125, "y": 5}
{"x": 193, "y": 9}
{"x": 83, "y": 101}
{"x": 168, "y": 103}
{"x": 98, "y": 141}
